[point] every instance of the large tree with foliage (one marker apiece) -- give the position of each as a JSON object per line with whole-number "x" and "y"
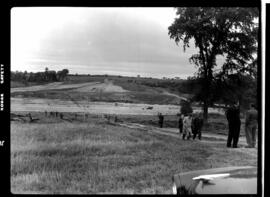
{"x": 228, "y": 31}
{"x": 62, "y": 74}
{"x": 238, "y": 86}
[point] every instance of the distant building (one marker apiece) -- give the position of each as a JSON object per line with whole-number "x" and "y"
{"x": 138, "y": 76}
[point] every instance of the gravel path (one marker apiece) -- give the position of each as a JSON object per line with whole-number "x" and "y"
{"x": 206, "y": 137}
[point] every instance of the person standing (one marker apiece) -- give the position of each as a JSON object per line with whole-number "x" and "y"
{"x": 234, "y": 122}
{"x": 251, "y": 126}
{"x": 160, "y": 120}
{"x": 193, "y": 128}
{"x": 197, "y": 123}
{"x": 180, "y": 123}
{"x": 187, "y": 127}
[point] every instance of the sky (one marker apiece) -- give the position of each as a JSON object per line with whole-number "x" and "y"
{"x": 114, "y": 41}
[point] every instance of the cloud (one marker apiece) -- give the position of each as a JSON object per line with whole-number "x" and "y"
{"x": 112, "y": 40}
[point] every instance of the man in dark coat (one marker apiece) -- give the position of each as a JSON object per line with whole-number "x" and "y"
{"x": 160, "y": 120}
{"x": 234, "y": 122}
{"x": 180, "y": 123}
{"x": 197, "y": 124}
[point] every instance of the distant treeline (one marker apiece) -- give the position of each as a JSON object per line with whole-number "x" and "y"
{"x": 46, "y": 76}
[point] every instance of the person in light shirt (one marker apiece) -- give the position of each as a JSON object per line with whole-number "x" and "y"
{"x": 251, "y": 126}
{"x": 187, "y": 126}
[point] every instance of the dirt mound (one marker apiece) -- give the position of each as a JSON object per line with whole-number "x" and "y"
{"x": 102, "y": 87}
{"x": 37, "y": 87}
{"x": 107, "y": 86}
{"x": 52, "y": 86}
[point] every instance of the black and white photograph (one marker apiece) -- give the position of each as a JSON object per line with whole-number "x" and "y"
{"x": 135, "y": 100}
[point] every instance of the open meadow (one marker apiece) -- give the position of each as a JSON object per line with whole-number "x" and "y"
{"x": 53, "y": 156}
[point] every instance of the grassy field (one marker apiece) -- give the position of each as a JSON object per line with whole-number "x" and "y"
{"x": 86, "y": 157}
{"x": 17, "y": 84}
{"x": 138, "y": 90}
{"x": 217, "y": 123}
{"x": 127, "y": 97}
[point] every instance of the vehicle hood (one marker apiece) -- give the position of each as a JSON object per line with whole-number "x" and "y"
{"x": 228, "y": 180}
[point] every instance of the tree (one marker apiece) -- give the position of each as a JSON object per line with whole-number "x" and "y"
{"x": 51, "y": 75}
{"x": 65, "y": 73}
{"x": 61, "y": 75}
{"x": 226, "y": 31}
{"x": 241, "y": 87}
{"x": 186, "y": 107}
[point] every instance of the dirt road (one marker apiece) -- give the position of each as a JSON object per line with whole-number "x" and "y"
{"x": 80, "y": 87}
{"x": 206, "y": 137}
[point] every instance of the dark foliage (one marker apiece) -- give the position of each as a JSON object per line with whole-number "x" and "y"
{"x": 226, "y": 31}
{"x": 186, "y": 107}
{"x": 46, "y": 76}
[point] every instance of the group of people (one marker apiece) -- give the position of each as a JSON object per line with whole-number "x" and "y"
{"x": 190, "y": 125}
{"x": 234, "y": 123}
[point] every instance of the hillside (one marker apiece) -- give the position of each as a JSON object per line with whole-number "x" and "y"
{"x": 106, "y": 89}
